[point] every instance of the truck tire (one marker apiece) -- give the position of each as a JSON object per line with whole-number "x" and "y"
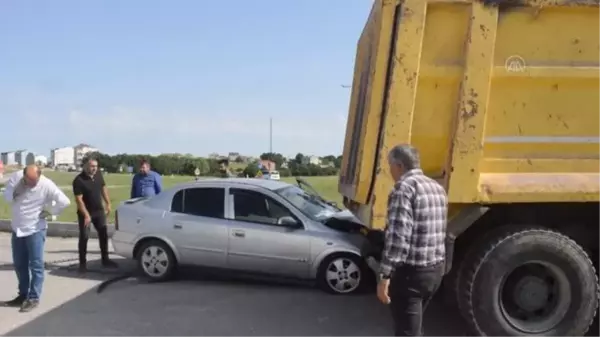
{"x": 528, "y": 281}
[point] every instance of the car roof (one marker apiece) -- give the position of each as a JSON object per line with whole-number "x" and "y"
{"x": 264, "y": 183}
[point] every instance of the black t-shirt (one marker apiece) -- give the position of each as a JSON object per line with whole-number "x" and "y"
{"x": 91, "y": 190}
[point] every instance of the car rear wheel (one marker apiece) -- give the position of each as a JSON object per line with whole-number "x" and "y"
{"x": 156, "y": 261}
{"x": 342, "y": 274}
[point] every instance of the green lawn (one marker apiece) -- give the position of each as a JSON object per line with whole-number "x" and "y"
{"x": 120, "y": 186}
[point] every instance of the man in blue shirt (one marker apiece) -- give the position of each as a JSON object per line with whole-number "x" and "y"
{"x": 146, "y": 183}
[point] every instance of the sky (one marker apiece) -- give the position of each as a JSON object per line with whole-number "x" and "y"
{"x": 177, "y": 76}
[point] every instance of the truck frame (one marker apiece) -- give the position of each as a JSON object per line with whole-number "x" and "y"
{"x": 502, "y": 100}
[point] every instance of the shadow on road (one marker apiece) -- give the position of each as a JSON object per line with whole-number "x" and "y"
{"x": 210, "y": 303}
{"x": 215, "y": 304}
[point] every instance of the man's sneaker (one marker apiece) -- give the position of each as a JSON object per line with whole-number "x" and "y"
{"x": 15, "y": 302}
{"x": 82, "y": 268}
{"x": 109, "y": 264}
{"x": 29, "y": 305}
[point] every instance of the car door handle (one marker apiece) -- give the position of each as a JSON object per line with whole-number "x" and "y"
{"x": 177, "y": 226}
{"x": 239, "y": 234}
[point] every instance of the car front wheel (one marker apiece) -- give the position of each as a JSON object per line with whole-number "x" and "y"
{"x": 342, "y": 274}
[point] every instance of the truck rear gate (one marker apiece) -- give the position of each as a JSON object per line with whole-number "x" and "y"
{"x": 502, "y": 102}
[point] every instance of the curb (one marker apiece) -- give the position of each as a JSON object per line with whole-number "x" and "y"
{"x": 59, "y": 229}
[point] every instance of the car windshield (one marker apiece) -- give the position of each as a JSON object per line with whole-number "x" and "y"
{"x": 309, "y": 205}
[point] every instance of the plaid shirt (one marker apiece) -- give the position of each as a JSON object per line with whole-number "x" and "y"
{"x": 416, "y": 223}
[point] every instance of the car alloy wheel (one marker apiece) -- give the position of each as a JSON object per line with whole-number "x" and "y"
{"x": 155, "y": 261}
{"x": 343, "y": 275}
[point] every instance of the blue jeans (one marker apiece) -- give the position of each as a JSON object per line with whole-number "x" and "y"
{"x": 28, "y": 257}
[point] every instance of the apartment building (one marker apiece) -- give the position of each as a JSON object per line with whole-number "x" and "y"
{"x": 62, "y": 156}
{"x": 24, "y": 157}
{"x": 8, "y": 158}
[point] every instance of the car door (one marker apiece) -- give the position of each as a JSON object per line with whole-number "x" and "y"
{"x": 198, "y": 226}
{"x": 258, "y": 243}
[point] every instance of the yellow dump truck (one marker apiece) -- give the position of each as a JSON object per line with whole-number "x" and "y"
{"x": 501, "y": 98}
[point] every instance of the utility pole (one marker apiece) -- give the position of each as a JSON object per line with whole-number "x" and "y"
{"x": 271, "y": 134}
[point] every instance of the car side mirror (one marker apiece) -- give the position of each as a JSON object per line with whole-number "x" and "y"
{"x": 288, "y": 221}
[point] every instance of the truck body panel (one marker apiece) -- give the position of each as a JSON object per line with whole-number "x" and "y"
{"x": 501, "y": 101}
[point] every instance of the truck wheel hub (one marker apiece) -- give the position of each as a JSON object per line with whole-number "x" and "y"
{"x": 531, "y": 293}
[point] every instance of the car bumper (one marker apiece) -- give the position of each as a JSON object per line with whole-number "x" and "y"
{"x": 123, "y": 244}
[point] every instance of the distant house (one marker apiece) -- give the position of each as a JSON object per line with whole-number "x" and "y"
{"x": 62, "y": 156}
{"x": 24, "y": 158}
{"x": 314, "y": 160}
{"x": 41, "y": 160}
{"x": 8, "y": 158}
{"x": 244, "y": 159}
{"x": 233, "y": 156}
{"x": 80, "y": 151}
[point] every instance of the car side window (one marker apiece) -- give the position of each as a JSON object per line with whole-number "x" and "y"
{"x": 177, "y": 203}
{"x": 200, "y": 201}
{"x": 256, "y": 207}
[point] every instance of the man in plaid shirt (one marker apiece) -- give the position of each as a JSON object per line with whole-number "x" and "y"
{"x": 412, "y": 265}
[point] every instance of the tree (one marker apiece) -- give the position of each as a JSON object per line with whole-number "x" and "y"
{"x": 251, "y": 170}
{"x": 203, "y": 166}
{"x": 299, "y": 158}
{"x": 338, "y": 162}
{"x": 283, "y": 172}
{"x": 186, "y": 164}
{"x": 328, "y": 159}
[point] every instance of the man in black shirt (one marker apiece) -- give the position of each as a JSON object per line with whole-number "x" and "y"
{"x": 90, "y": 190}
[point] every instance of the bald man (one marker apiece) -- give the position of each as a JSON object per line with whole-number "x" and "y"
{"x": 31, "y": 196}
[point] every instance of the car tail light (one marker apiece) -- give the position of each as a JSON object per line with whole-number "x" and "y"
{"x": 117, "y": 220}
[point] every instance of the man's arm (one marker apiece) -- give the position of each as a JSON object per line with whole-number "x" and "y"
{"x": 133, "y": 189}
{"x": 14, "y": 187}
{"x": 61, "y": 201}
{"x": 78, "y": 192}
{"x": 105, "y": 194}
{"x": 157, "y": 183}
{"x": 399, "y": 228}
{"x": 9, "y": 189}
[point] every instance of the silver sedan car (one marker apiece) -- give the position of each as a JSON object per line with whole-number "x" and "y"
{"x": 249, "y": 225}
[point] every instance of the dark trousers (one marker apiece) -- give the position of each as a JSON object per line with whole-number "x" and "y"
{"x": 411, "y": 289}
{"x": 99, "y": 222}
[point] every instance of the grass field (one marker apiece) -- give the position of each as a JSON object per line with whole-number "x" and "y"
{"x": 119, "y": 186}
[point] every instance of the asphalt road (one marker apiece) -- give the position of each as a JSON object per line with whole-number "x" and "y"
{"x": 195, "y": 305}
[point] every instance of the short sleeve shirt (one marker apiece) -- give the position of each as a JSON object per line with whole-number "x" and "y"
{"x": 90, "y": 188}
